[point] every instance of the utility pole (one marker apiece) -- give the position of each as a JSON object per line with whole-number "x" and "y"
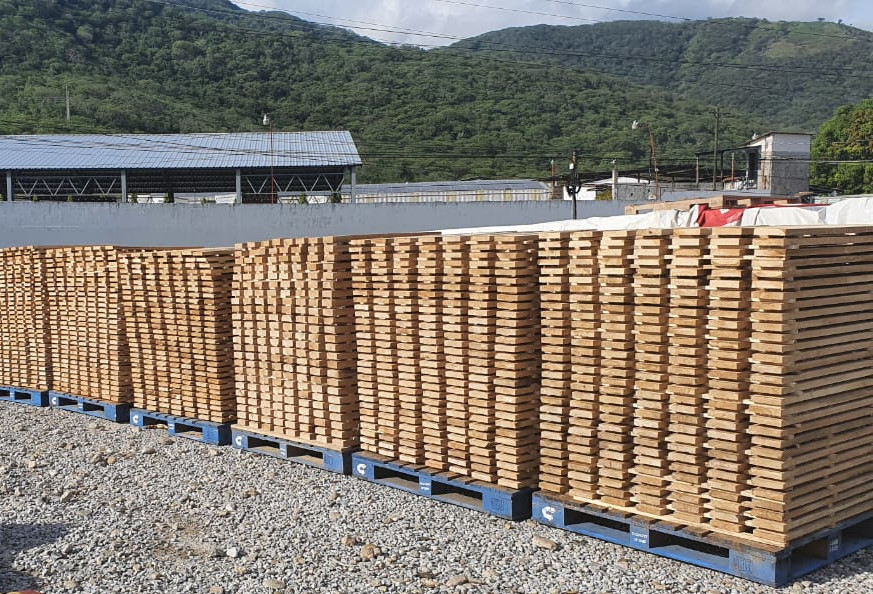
{"x": 715, "y": 150}
{"x": 573, "y": 184}
{"x": 67, "y": 93}
{"x": 697, "y": 173}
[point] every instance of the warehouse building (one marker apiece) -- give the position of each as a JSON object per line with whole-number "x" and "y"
{"x": 254, "y": 167}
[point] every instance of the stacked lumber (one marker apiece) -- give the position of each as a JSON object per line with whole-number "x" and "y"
{"x": 448, "y": 335}
{"x": 651, "y": 323}
{"x": 811, "y": 412}
{"x": 376, "y": 345}
{"x": 687, "y": 381}
{"x": 556, "y": 318}
{"x": 432, "y": 296}
{"x": 90, "y": 356}
{"x": 177, "y": 312}
{"x": 25, "y": 359}
{"x": 294, "y": 355}
{"x": 585, "y": 364}
{"x": 617, "y": 370}
{"x": 728, "y": 355}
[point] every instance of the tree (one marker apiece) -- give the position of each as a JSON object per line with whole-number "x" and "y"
{"x": 848, "y": 136}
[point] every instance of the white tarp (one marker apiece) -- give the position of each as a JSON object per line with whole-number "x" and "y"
{"x": 659, "y": 219}
{"x": 851, "y": 211}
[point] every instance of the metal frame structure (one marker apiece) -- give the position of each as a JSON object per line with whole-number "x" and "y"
{"x": 98, "y": 168}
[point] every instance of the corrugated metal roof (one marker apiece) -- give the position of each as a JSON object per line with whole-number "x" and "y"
{"x": 178, "y": 151}
{"x": 451, "y": 186}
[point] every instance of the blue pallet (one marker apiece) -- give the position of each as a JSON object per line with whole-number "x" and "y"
{"x": 772, "y": 566}
{"x": 512, "y": 504}
{"x": 202, "y": 431}
{"x": 310, "y": 455}
{"x": 24, "y": 396}
{"x": 117, "y": 413}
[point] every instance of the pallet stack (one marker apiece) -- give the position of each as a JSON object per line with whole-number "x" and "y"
{"x": 728, "y": 355}
{"x": 25, "y": 358}
{"x": 294, "y": 355}
{"x": 651, "y": 418}
{"x": 617, "y": 372}
{"x": 90, "y": 356}
{"x": 811, "y": 412}
{"x": 432, "y": 294}
{"x": 687, "y": 381}
{"x": 178, "y": 318}
{"x": 556, "y": 318}
{"x": 472, "y": 371}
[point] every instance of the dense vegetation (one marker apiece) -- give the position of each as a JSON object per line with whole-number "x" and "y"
{"x": 791, "y": 75}
{"x": 206, "y": 65}
{"x": 848, "y": 136}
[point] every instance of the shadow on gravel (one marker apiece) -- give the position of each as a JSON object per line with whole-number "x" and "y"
{"x": 16, "y": 538}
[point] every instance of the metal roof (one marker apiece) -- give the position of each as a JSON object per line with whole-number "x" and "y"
{"x": 178, "y": 151}
{"x": 451, "y": 186}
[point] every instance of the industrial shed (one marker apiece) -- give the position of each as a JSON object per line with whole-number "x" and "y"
{"x": 99, "y": 167}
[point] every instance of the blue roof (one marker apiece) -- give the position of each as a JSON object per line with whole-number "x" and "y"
{"x": 178, "y": 151}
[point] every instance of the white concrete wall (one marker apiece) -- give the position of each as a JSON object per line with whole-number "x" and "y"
{"x": 159, "y": 225}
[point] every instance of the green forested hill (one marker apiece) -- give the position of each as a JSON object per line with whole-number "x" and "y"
{"x": 205, "y": 65}
{"x": 791, "y": 75}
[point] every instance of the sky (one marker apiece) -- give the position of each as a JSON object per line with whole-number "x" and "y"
{"x": 441, "y": 22}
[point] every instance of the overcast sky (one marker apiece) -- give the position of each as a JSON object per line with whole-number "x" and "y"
{"x": 408, "y": 21}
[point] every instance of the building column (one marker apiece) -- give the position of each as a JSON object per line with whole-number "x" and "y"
{"x": 238, "y": 199}
{"x": 9, "y": 186}
{"x": 352, "y": 184}
{"x": 123, "y": 186}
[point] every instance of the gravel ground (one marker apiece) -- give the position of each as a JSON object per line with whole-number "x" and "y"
{"x": 90, "y": 506}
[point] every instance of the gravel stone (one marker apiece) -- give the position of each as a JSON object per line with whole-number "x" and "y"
{"x": 370, "y": 552}
{"x": 541, "y": 542}
{"x": 130, "y": 530}
{"x": 274, "y": 584}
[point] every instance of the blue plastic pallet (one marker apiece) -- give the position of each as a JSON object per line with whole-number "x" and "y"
{"x": 24, "y": 396}
{"x": 117, "y": 413}
{"x": 444, "y": 486}
{"x": 311, "y": 455}
{"x": 771, "y": 566}
{"x": 202, "y": 431}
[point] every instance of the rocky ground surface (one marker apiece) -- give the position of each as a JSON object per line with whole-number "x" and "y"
{"x": 90, "y": 506}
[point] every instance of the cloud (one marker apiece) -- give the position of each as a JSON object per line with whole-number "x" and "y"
{"x": 410, "y": 21}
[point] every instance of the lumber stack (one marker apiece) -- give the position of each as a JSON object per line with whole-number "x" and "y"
{"x": 25, "y": 358}
{"x": 687, "y": 383}
{"x": 717, "y": 378}
{"x": 811, "y": 412}
{"x": 448, "y": 357}
{"x": 178, "y": 319}
{"x": 617, "y": 369}
{"x": 651, "y": 370}
{"x": 90, "y": 356}
{"x": 294, "y": 355}
{"x": 556, "y": 389}
{"x": 728, "y": 355}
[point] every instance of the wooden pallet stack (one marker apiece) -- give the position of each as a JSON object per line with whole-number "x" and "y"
{"x": 811, "y": 412}
{"x": 651, "y": 417}
{"x": 432, "y": 291}
{"x": 448, "y": 330}
{"x": 514, "y": 456}
{"x": 25, "y": 358}
{"x": 405, "y": 306}
{"x": 90, "y": 356}
{"x": 586, "y": 364}
{"x": 556, "y": 319}
{"x": 617, "y": 350}
{"x": 294, "y": 355}
{"x": 178, "y": 319}
{"x": 458, "y": 337}
{"x": 687, "y": 382}
{"x": 728, "y": 354}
